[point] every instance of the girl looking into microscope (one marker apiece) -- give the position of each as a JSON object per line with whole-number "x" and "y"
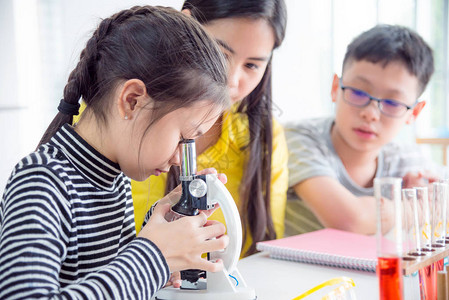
{"x": 66, "y": 216}
{"x": 246, "y": 143}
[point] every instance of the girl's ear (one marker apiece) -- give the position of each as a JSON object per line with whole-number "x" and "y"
{"x": 187, "y": 12}
{"x": 415, "y": 112}
{"x": 131, "y": 97}
{"x": 334, "y": 89}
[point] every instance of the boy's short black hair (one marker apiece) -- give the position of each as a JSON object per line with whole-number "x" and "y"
{"x": 387, "y": 43}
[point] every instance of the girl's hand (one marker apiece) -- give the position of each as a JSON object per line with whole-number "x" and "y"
{"x": 220, "y": 176}
{"x": 173, "y": 197}
{"x": 184, "y": 240}
{"x": 175, "y": 280}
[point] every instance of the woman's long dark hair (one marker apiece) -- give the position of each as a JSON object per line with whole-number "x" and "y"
{"x": 255, "y": 186}
{"x": 178, "y": 62}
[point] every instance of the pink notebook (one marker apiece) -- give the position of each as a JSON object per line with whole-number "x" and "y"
{"x": 328, "y": 247}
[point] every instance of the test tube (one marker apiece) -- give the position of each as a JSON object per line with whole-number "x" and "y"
{"x": 446, "y": 181}
{"x": 387, "y": 192}
{"x": 423, "y": 212}
{"x": 411, "y": 224}
{"x": 438, "y": 213}
{"x": 442, "y": 293}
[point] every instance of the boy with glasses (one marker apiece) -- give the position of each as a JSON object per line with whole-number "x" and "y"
{"x": 333, "y": 161}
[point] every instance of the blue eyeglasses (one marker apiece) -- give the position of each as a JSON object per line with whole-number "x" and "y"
{"x": 359, "y": 98}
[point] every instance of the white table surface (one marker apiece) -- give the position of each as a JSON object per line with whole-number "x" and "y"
{"x": 275, "y": 279}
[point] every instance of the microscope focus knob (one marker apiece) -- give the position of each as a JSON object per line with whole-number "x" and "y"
{"x": 198, "y": 188}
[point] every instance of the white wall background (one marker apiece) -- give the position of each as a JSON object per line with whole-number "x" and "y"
{"x": 42, "y": 40}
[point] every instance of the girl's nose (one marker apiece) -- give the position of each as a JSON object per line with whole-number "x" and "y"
{"x": 233, "y": 77}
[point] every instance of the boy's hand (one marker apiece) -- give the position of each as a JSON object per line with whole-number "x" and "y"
{"x": 418, "y": 179}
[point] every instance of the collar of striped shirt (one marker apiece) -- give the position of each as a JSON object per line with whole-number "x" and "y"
{"x": 94, "y": 166}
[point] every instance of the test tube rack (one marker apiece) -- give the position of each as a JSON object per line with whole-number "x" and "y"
{"x": 411, "y": 263}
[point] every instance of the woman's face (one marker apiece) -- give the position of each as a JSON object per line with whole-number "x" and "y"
{"x": 247, "y": 44}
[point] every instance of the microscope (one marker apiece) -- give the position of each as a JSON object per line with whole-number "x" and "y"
{"x": 203, "y": 192}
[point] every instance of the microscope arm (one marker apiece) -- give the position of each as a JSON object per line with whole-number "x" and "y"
{"x": 218, "y": 193}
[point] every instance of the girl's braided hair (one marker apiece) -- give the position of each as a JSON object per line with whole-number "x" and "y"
{"x": 175, "y": 58}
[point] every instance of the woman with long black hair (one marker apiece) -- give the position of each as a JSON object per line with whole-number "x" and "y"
{"x": 245, "y": 143}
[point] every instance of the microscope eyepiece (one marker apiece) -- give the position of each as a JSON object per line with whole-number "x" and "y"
{"x": 188, "y": 160}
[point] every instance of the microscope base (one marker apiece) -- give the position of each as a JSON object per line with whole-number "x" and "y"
{"x": 219, "y": 286}
{"x": 171, "y": 293}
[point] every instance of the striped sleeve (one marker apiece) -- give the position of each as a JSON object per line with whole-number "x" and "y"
{"x": 34, "y": 223}
{"x": 149, "y": 214}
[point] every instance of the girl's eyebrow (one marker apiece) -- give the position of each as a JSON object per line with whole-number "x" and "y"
{"x": 259, "y": 58}
{"x": 198, "y": 134}
{"x": 228, "y": 48}
{"x": 225, "y": 45}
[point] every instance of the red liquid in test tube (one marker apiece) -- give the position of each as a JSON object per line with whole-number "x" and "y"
{"x": 389, "y": 233}
{"x": 427, "y": 282}
{"x": 389, "y": 272}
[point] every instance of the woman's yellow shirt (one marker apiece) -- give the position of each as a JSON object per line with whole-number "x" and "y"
{"x": 227, "y": 157}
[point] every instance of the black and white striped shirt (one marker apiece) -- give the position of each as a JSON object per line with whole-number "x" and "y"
{"x": 67, "y": 228}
